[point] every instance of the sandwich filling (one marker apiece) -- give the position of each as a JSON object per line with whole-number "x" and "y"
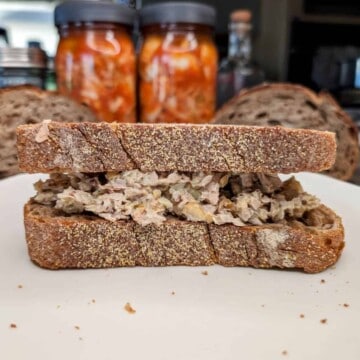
{"x": 148, "y": 198}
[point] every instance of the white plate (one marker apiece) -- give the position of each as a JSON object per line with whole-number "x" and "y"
{"x": 232, "y": 313}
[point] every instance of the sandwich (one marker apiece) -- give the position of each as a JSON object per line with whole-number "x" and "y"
{"x": 174, "y": 194}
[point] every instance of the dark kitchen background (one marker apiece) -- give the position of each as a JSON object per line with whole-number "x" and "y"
{"x": 311, "y": 42}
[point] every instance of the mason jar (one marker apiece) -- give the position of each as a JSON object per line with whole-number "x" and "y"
{"x": 95, "y": 61}
{"x": 22, "y": 66}
{"x": 177, "y": 63}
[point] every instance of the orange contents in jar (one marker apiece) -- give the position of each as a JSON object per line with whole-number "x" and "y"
{"x": 177, "y": 76}
{"x": 95, "y": 60}
{"x": 96, "y": 65}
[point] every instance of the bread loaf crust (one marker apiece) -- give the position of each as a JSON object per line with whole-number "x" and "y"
{"x": 56, "y": 241}
{"x": 254, "y": 107}
{"x": 98, "y": 147}
{"x": 28, "y": 105}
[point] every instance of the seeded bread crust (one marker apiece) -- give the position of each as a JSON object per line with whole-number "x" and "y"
{"x": 98, "y": 147}
{"x": 57, "y": 241}
{"x": 29, "y": 105}
{"x": 295, "y": 106}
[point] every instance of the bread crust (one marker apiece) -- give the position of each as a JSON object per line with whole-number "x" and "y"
{"x": 98, "y": 147}
{"x": 57, "y": 241}
{"x": 347, "y": 159}
{"x": 259, "y": 88}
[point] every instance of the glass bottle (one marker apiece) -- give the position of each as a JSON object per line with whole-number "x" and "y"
{"x": 238, "y": 71}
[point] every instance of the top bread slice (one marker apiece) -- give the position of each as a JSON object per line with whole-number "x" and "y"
{"x": 28, "y": 105}
{"x": 295, "y": 106}
{"x": 99, "y": 147}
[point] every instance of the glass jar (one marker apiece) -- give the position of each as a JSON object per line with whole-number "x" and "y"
{"x": 22, "y": 66}
{"x": 177, "y": 63}
{"x": 95, "y": 60}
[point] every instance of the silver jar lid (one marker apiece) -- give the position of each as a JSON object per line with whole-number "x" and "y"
{"x": 22, "y": 58}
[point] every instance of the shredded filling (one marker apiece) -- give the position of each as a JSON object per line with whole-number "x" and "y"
{"x": 148, "y": 198}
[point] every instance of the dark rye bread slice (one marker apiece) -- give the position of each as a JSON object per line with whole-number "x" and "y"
{"x": 98, "y": 147}
{"x": 295, "y": 106}
{"x": 57, "y": 241}
{"x": 29, "y": 105}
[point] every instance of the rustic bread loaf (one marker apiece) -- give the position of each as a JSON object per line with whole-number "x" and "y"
{"x": 56, "y": 240}
{"x": 98, "y": 147}
{"x": 29, "y": 105}
{"x": 295, "y": 106}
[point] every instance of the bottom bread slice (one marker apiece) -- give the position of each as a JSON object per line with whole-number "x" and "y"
{"x": 56, "y": 240}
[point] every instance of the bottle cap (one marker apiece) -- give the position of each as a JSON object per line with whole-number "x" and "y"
{"x": 241, "y": 15}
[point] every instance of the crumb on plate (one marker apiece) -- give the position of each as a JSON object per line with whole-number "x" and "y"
{"x": 129, "y": 308}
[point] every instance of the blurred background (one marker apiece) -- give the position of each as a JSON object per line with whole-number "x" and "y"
{"x": 311, "y": 42}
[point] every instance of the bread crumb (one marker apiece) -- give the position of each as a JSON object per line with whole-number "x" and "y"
{"x": 129, "y": 308}
{"x": 77, "y": 327}
{"x": 284, "y": 352}
{"x": 13, "y": 326}
{"x": 322, "y": 281}
{"x": 205, "y": 272}
{"x": 323, "y": 321}
{"x": 173, "y": 293}
{"x": 20, "y": 286}
{"x": 302, "y": 316}
{"x": 93, "y": 301}
{"x": 346, "y": 305}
